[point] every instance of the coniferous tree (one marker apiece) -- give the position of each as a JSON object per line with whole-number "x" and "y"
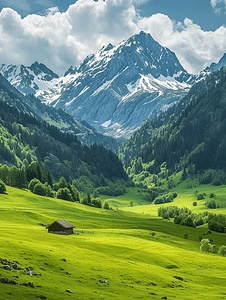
{"x": 2, "y": 187}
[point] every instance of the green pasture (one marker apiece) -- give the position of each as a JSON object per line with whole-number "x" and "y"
{"x": 187, "y": 192}
{"x": 113, "y": 256}
{"x": 133, "y": 193}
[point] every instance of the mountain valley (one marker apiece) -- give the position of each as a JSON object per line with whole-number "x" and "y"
{"x": 149, "y": 214}
{"x": 57, "y": 117}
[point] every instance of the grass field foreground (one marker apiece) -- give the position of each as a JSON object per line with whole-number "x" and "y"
{"x": 114, "y": 256}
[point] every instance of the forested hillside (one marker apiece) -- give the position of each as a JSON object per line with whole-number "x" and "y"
{"x": 24, "y": 139}
{"x": 190, "y": 133}
{"x": 57, "y": 117}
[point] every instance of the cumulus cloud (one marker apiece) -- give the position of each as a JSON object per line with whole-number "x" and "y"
{"x": 97, "y": 23}
{"x": 194, "y": 47}
{"x": 63, "y": 39}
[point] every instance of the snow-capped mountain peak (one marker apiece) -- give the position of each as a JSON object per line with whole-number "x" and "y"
{"x": 28, "y": 80}
{"x": 118, "y": 88}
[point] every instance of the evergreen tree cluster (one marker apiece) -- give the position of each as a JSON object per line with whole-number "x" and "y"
{"x": 20, "y": 178}
{"x": 192, "y": 133}
{"x": 211, "y": 204}
{"x": 24, "y": 139}
{"x": 95, "y": 202}
{"x": 215, "y": 177}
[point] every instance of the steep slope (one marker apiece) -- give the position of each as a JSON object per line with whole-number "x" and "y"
{"x": 24, "y": 139}
{"x": 147, "y": 131}
{"x": 28, "y": 80}
{"x": 57, "y": 117}
{"x": 115, "y": 90}
{"x": 212, "y": 68}
{"x": 217, "y": 66}
{"x": 121, "y": 86}
{"x": 192, "y": 135}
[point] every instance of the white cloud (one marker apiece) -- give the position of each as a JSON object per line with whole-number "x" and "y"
{"x": 63, "y": 39}
{"x": 214, "y": 3}
{"x": 160, "y": 26}
{"x": 218, "y": 5}
{"x": 194, "y": 47}
{"x": 97, "y": 23}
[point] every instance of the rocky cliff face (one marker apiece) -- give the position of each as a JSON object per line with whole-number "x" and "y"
{"x": 121, "y": 86}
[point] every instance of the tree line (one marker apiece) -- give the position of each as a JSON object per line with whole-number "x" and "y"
{"x": 190, "y": 133}
{"x": 184, "y": 216}
{"x": 24, "y": 139}
{"x": 40, "y": 182}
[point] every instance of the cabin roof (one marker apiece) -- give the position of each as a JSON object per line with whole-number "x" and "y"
{"x": 63, "y": 223}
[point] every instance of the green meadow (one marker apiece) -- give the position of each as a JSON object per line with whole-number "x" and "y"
{"x": 113, "y": 255}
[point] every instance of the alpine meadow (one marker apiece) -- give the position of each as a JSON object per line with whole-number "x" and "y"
{"x": 112, "y": 175}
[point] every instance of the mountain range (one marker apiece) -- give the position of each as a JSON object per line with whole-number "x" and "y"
{"x": 137, "y": 89}
{"x": 113, "y": 91}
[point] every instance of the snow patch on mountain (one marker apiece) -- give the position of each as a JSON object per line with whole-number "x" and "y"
{"x": 107, "y": 123}
{"x": 114, "y": 90}
{"x": 29, "y": 80}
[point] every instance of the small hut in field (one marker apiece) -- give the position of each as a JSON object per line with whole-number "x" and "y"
{"x": 60, "y": 227}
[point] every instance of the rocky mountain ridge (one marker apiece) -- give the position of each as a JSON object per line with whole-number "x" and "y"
{"x": 28, "y": 80}
{"x": 121, "y": 86}
{"x": 115, "y": 90}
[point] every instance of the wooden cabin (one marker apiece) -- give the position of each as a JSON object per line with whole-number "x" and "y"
{"x": 61, "y": 227}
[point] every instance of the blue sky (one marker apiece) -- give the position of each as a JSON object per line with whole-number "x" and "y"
{"x": 24, "y": 7}
{"x": 53, "y": 33}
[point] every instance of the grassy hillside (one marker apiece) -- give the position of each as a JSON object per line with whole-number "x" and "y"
{"x": 187, "y": 192}
{"x": 114, "y": 256}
